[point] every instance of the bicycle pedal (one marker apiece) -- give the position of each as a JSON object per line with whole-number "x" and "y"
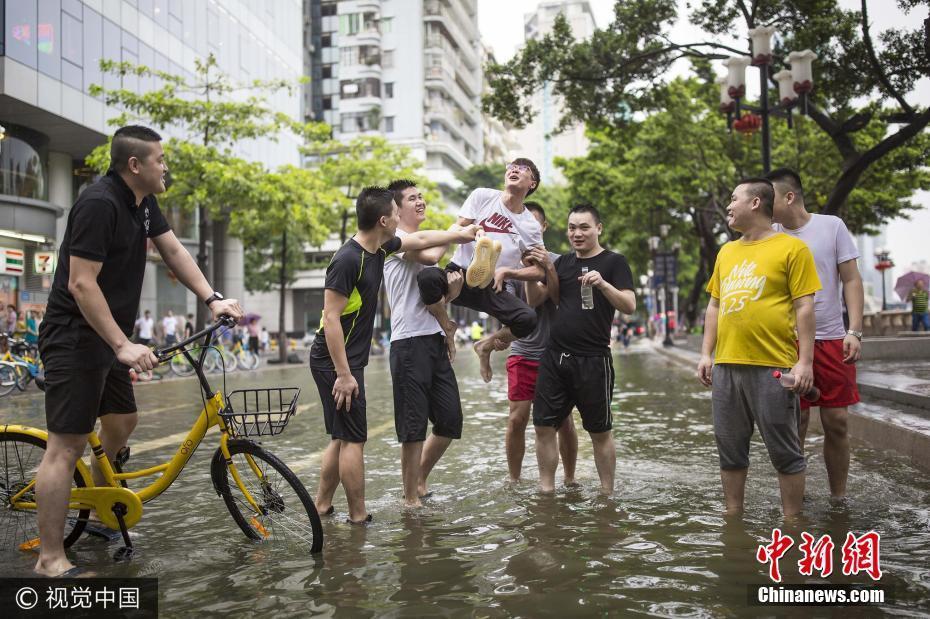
{"x": 122, "y": 456}
{"x": 124, "y": 553}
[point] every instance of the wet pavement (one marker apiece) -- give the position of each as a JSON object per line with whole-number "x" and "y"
{"x": 482, "y": 547}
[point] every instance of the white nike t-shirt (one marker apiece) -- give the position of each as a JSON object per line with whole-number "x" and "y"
{"x": 500, "y": 224}
{"x": 409, "y": 317}
{"x": 830, "y": 242}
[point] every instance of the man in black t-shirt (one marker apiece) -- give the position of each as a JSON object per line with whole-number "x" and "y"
{"x": 92, "y": 307}
{"x": 340, "y": 350}
{"x": 576, "y": 369}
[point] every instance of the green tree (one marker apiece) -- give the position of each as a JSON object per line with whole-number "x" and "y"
{"x": 209, "y": 113}
{"x": 479, "y": 175}
{"x": 620, "y": 72}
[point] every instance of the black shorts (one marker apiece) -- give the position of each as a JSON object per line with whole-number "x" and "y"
{"x": 425, "y": 389}
{"x": 83, "y": 379}
{"x": 351, "y": 425}
{"x": 566, "y": 381}
{"x": 433, "y": 283}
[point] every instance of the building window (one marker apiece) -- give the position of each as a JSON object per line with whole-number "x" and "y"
{"x": 389, "y": 124}
{"x": 387, "y": 23}
{"x": 389, "y": 90}
{"x": 348, "y": 56}
{"x": 327, "y": 71}
{"x": 387, "y": 58}
{"x": 48, "y": 36}
{"x": 350, "y": 24}
{"x": 327, "y": 103}
{"x": 326, "y": 40}
{"x": 369, "y": 87}
{"x": 328, "y": 9}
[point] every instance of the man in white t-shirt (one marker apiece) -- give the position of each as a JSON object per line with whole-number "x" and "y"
{"x": 145, "y": 327}
{"x": 169, "y": 325}
{"x": 504, "y": 219}
{"x": 425, "y": 388}
{"x": 836, "y": 347}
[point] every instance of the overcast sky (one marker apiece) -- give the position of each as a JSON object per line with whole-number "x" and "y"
{"x": 501, "y": 26}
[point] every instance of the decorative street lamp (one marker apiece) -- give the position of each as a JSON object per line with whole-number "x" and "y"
{"x": 794, "y": 88}
{"x": 883, "y": 262}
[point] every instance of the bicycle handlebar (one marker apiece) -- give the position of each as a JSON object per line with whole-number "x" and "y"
{"x": 165, "y": 353}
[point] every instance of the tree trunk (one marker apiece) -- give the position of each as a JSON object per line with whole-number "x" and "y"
{"x": 282, "y": 299}
{"x": 703, "y": 219}
{"x": 345, "y": 223}
{"x": 203, "y": 312}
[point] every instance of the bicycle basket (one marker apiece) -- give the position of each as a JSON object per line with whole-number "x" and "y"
{"x": 259, "y": 412}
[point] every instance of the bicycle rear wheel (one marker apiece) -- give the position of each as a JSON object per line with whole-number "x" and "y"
{"x": 283, "y": 511}
{"x": 247, "y": 360}
{"x": 7, "y": 379}
{"x": 181, "y": 366}
{"x": 20, "y": 455}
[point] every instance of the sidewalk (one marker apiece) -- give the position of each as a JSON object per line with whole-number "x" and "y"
{"x": 894, "y": 412}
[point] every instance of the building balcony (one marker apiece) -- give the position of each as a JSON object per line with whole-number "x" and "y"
{"x": 360, "y": 71}
{"x": 435, "y": 11}
{"x": 370, "y": 36}
{"x": 366, "y": 6}
{"x": 442, "y": 76}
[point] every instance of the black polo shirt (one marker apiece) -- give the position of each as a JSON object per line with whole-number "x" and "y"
{"x": 105, "y": 225}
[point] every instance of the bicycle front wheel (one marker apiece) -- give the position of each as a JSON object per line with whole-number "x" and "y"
{"x": 181, "y": 366}
{"x": 20, "y": 455}
{"x": 7, "y": 379}
{"x": 247, "y": 360}
{"x": 266, "y": 499}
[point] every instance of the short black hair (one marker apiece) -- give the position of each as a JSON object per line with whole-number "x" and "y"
{"x": 536, "y": 207}
{"x": 535, "y": 171}
{"x": 398, "y": 188}
{"x": 128, "y": 142}
{"x": 763, "y": 189}
{"x": 586, "y": 208}
{"x": 788, "y": 177}
{"x": 372, "y": 204}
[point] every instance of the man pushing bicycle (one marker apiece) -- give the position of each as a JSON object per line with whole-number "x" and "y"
{"x": 84, "y": 339}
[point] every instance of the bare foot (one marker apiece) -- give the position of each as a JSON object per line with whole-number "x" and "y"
{"x": 570, "y": 482}
{"x": 53, "y": 568}
{"x": 412, "y": 504}
{"x": 483, "y": 350}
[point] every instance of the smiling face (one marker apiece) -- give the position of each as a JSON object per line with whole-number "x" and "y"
{"x": 412, "y": 210}
{"x": 518, "y": 178}
{"x": 743, "y": 205}
{"x": 583, "y": 232}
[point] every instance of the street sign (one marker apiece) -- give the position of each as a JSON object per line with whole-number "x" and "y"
{"x": 665, "y": 269}
{"x": 12, "y": 261}
{"x": 44, "y": 262}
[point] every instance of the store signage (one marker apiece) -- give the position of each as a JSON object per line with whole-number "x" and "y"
{"x": 44, "y": 262}
{"x": 12, "y": 261}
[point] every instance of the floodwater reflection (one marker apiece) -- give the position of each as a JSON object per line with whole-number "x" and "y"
{"x": 482, "y": 547}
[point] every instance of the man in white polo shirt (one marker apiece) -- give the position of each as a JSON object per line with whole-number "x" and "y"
{"x": 836, "y": 346}
{"x": 425, "y": 388}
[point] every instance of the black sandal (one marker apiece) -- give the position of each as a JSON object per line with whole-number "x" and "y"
{"x": 364, "y": 522}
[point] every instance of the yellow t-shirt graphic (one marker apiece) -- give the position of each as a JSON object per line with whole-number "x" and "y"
{"x": 756, "y": 283}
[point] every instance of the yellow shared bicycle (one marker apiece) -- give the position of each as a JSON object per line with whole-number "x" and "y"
{"x": 264, "y": 497}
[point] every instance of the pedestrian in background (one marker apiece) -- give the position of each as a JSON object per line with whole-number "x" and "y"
{"x": 918, "y": 299}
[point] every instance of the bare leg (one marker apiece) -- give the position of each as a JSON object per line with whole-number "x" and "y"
{"x": 568, "y": 449}
{"x": 435, "y": 446}
{"x": 734, "y": 489}
{"x": 605, "y": 459}
{"x": 53, "y": 492}
{"x": 836, "y": 448}
{"x": 803, "y": 422}
{"x": 114, "y": 433}
{"x": 329, "y": 476}
{"x": 515, "y": 437}
{"x": 489, "y": 343}
{"x": 352, "y": 474}
{"x": 547, "y": 457}
{"x": 792, "y": 492}
{"x": 410, "y": 454}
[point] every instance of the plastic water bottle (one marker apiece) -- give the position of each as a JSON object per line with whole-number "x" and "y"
{"x": 787, "y": 381}
{"x": 587, "y": 293}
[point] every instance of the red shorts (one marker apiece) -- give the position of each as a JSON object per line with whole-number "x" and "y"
{"x": 835, "y": 379}
{"x": 521, "y": 378}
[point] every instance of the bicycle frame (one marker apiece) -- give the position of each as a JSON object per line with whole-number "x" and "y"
{"x": 104, "y": 498}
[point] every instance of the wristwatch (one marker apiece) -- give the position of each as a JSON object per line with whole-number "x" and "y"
{"x": 857, "y": 334}
{"x": 216, "y": 296}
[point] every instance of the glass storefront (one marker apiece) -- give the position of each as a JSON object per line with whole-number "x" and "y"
{"x": 23, "y": 168}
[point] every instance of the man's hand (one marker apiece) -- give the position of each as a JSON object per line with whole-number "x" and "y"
{"x": 137, "y": 356}
{"x": 500, "y": 276}
{"x": 469, "y": 233}
{"x": 456, "y": 281}
{"x": 591, "y": 278}
{"x": 852, "y": 349}
{"x": 345, "y": 388}
{"x": 537, "y": 255}
{"x": 226, "y": 307}
{"x": 803, "y": 377}
{"x": 705, "y": 370}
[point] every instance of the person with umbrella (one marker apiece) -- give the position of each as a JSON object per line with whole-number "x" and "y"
{"x": 918, "y": 299}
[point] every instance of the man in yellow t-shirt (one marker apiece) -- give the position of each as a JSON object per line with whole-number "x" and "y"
{"x": 762, "y": 290}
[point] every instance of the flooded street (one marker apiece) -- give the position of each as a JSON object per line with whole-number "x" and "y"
{"x": 482, "y": 547}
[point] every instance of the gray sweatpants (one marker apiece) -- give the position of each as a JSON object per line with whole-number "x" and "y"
{"x": 744, "y": 395}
